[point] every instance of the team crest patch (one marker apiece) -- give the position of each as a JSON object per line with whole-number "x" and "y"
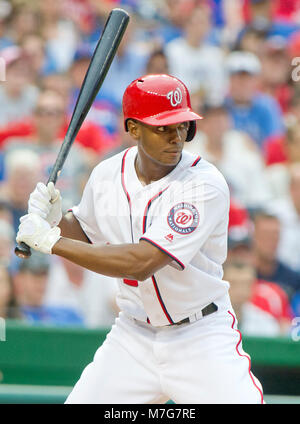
{"x": 183, "y": 218}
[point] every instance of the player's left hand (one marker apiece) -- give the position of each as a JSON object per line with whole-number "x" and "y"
{"x": 37, "y": 233}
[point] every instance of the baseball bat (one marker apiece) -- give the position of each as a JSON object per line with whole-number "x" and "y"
{"x": 101, "y": 60}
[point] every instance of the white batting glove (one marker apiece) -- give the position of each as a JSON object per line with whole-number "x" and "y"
{"x": 37, "y": 233}
{"x": 45, "y": 201}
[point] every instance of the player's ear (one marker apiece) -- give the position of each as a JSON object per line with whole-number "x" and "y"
{"x": 133, "y": 129}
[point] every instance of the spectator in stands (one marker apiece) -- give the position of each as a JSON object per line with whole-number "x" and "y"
{"x": 103, "y": 113}
{"x": 128, "y": 64}
{"x": 252, "y": 302}
{"x": 255, "y": 113}
{"x": 233, "y": 153}
{"x": 7, "y": 235}
{"x": 30, "y": 284}
{"x": 124, "y": 140}
{"x": 157, "y": 63}
{"x": 175, "y": 12}
{"x": 92, "y": 138}
{"x": 252, "y": 39}
{"x": 195, "y": 62}
{"x": 41, "y": 61}
{"x": 269, "y": 14}
{"x": 240, "y": 246}
{"x": 49, "y": 117}
{"x": 84, "y": 15}
{"x": 265, "y": 243}
{"x": 22, "y": 169}
{"x": 281, "y": 154}
{"x": 59, "y": 82}
{"x": 23, "y": 20}
{"x": 294, "y": 106}
{"x": 7, "y": 242}
{"x": 277, "y": 71}
{"x": 17, "y": 96}
{"x": 90, "y": 295}
{"x": 79, "y": 66}
{"x": 233, "y": 22}
{"x": 5, "y": 212}
{"x": 5, "y": 15}
{"x": 60, "y": 33}
{"x": 8, "y": 306}
{"x": 240, "y": 231}
{"x": 287, "y": 209}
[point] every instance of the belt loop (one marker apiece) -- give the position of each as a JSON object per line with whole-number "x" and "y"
{"x": 194, "y": 317}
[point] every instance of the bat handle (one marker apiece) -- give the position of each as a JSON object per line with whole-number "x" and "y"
{"x": 23, "y": 251}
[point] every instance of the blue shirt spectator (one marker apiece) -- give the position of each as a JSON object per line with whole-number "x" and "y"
{"x": 280, "y": 28}
{"x": 30, "y": 283}
{"x": 285, "y": 277}
{"x": 127, "y": 65}
{"x": 51, "y": 315}
{"x": 260, "y": 119}
{"x": 266, "y": 236}
{"x": 255, "y": 113}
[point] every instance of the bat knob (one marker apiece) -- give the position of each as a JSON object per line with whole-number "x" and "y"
{"x": 23, "y": 251}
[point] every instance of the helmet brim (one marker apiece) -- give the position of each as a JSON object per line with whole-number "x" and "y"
{"x": 171, "y": 117}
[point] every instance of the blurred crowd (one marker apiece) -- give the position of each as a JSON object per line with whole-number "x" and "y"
{"x": 240, "y": 60}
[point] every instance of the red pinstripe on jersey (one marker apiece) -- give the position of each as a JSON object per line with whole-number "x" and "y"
{"x": 245, "y": 356}
{"x": 196, "y": 161}
{"x": 148, "y": 207}
{"x": 161, "y": 301}
{"x": 125, "y": 190}
{"x": 123, "y": 178}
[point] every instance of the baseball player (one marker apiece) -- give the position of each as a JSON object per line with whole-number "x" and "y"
{"x": 155, "y": 217}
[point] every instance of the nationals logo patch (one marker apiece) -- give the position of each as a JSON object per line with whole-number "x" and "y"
{"x": 183, "y": 218}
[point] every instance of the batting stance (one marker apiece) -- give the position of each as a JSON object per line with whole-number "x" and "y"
{"x": 155, "y": 217}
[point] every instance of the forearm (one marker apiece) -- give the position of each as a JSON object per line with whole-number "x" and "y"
{"x": 121, "y": 261}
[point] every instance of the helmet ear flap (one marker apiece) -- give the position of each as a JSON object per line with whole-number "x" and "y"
{"x": 191, "y": 131}
{"x": 125, "y": 125}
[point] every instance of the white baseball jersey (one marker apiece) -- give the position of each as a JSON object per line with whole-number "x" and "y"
{"x": 184, "y": 214}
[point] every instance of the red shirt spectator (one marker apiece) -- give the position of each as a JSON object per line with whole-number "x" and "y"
{"x": 273, "y": 299}
{"x": 283, "y": 10}
{"x": 238, "y": 215}
{"x": 274, "y": 151}
{"x": 89, "y": 136}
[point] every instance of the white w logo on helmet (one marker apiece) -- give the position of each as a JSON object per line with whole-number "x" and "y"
{"x": 175, "y": 97}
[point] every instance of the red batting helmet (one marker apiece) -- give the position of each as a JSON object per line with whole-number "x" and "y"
{"x": 159, "y": 100}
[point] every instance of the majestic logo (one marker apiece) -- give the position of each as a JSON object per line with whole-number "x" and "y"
{"x": 169, "y": 237}
{"x": 175, "y": 97}
{"x": 183, "y": 218}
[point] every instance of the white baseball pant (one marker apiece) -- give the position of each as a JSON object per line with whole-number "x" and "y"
{"x": 199, "y": 362}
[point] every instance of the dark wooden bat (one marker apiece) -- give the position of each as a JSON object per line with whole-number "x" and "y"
{"x": 104, "y": 53}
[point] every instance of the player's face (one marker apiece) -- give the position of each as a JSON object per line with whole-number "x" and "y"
{"x": 163, "y": 144}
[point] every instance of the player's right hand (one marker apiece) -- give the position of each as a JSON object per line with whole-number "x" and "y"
{"x": 45, "y": 201}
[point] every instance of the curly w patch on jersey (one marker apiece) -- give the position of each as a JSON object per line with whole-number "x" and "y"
{"x": 183, "y": 218}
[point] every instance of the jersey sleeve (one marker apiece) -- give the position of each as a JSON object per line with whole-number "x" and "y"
{"x": 84, "y": 212}
{"x": 185, "y": 221}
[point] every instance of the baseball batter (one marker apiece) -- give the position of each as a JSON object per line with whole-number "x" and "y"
{"x": 155, "y": 217}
